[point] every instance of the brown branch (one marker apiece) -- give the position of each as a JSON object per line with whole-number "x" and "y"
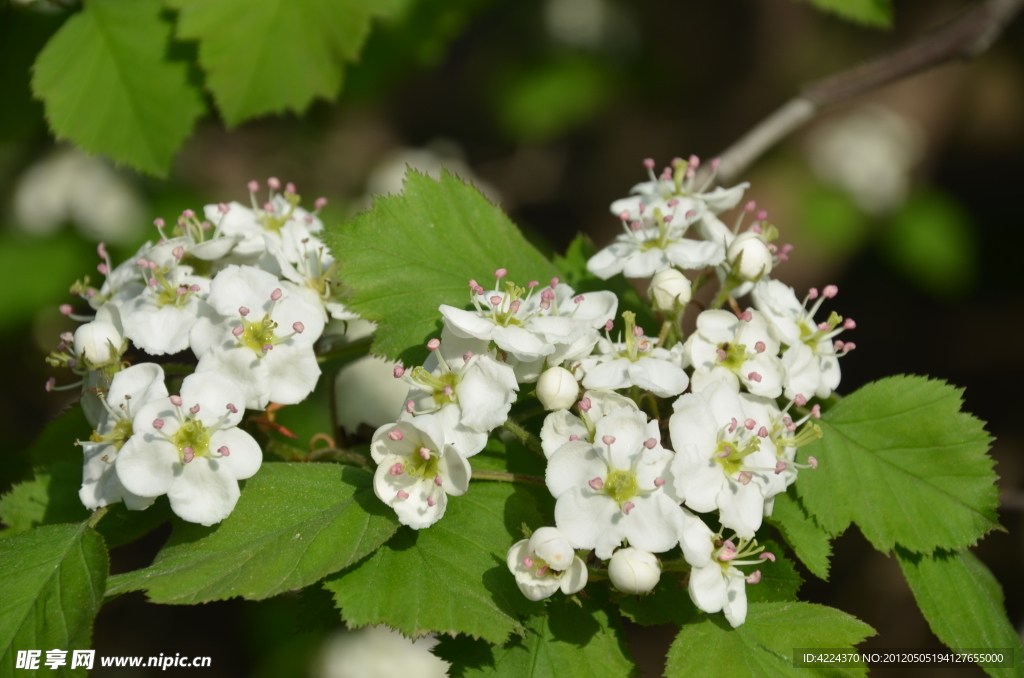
{"x": 966, "y": 38}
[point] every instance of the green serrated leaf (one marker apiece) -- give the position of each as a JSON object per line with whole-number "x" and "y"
{"x": 272, "y": 56}
{"x": 573, "y": 269}
{"x": 450, "y": 577}
{"x": 412, "y": 252}
{"x": 779, "y": 580}
{"x": 896, "y": 454}
{"x": 811, "y": 543}
{"x": 764, "y": 644}
{"x": 107, "y": 85}
{"x": 569, "y": 641}
{"x": 293, "y": 525}
{"x": 53, "y": 587}
{"x": 963, "y": 604}
{"x": 876, "y": 13}
{"x": 50, "y": 498}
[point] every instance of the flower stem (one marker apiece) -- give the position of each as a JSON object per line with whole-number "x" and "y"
{"x": 97, "y": 516}
{"x": 676, "y": 566}
{"x": 503, "y": 477}
{"x": 531, "y": 441}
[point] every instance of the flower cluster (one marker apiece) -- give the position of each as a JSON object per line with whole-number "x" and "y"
{"x": 247, "y": 291}
{"x": 652, "y": 441}
{"x": 738, "y": 385}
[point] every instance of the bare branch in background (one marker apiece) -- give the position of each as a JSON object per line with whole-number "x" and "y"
{"x": 965, "y": 38}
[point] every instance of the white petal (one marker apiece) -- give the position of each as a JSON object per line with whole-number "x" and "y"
{"x": 586, "y": 519}
{"x": 486, "y": 392}
{"x": 558, "y": 427}
{"x": 146, "y": 465}
{"x": 466, "y": 324}
{"x": 645, "y": 263}
{"x": 574, "y": 465}
{"x": 695, "y": 540}
{"x": 653, "y": 524}
{"x": 241, "y": 365}
{"x": 611, "y": 260}
{"x": 741, "y": 508}
{"x": 292, "y": 374}
{"x": 708, "y": 587}
{"x": 455, "y": 473}
{"x": 613, "y": 374}
{"x": 521, "y": 343}
{"x": 660, "y": 377}
{"x": 245, "y": 454}
{"x": 575, "y": 577}
{"x": 688, "y": 253}
{"x": 465, "y": 440}
{"x": 213, "y": 392}
{"x": 735, "y": 606}
{"x": 204, "y": 492}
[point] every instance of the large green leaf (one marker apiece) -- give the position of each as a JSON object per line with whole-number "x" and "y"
{"x": 963, "y": 604}
{"x": 450, "y": 577}
{"x": 896, "y": 454}
{"x": 764, "y": 644}
{"x": 413, "y": 252}
{"x": 53, "y": 587}
{"x": 877, "y": 13}
{"x": 293, "y": 525}
{"x": 272, "y": 56}
{"x": 570, "y": 640}
{"x": 107, "y": 84}
{"x": 811, "y": 544}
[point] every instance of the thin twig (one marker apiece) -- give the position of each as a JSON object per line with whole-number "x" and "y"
{"x": 529, "y": 440}
{"x": 966, "y": 38}
{"x": 503, "y": 477}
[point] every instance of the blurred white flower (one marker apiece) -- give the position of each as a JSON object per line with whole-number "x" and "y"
{"x": 71, "y": 186}
{"x": 378, "y": 652}
{"x": 869, "y": 154}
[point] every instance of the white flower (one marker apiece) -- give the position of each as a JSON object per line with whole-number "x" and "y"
{"x": 562, "y": 426}
{"x": 739, "y": 350}
{"x": 617, "y": 488}
{"x": 719, "y": 585}
{"x": 812, "y": 353}
{"x": 545, "y": 563}
{"x": 130, "y": 390}
{"x": 678, "y": 182}
{"x": 304, "y": 260}
{"x": 470, "y": 391}
{"x": 159, "y": 319}
{"x": 188, "y": 447}
{"x": 530, "y": 326}
{"x": 416, "y": 470}
{"x": 120, "y": 284}
{"x": 669, "y": 291}
{"x": 260, "y": 333}
{"x": 251, "y": 224}
{"x": 644, "y": 250}
{"x": 557, "y": 389}
{"x": 636, "y": 362}
{"x": 786, "y": 434}
{"x": 725, "y": 459}
{"x": 634, "y": 571}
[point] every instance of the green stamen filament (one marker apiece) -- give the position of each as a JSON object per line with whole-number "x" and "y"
{"x": 256, "y": 335}
{"x": 730, "y": 454}
{"x": 117, "y": 437}
{"x": 192, "y": 434}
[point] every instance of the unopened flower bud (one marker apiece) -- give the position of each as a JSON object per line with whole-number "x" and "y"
{"x": 749, "y": 256}
{"x": 669, "y": 290}
{"x": 557, "y": 389}
{"x": 634, "y": 571}
{"x": 98, "y": 342}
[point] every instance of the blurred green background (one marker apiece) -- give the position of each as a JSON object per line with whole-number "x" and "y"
{"x": 908, "y": 199}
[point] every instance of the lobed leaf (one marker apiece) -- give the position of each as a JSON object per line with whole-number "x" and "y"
{"x": 963, "y": 604}
{"x": 764, "y": 645}
{"x": 896, "y": 454}
{"x": 272, "y": 56}
{"x": 570, "y": 640}
{"x": 451, "y": 577}
{"x": 53, "y": 588}
{"x": 293, "y": 525}
{"x": 412, "y": 252}
{"x": 811, "y": 544}
{"x": 108, "y": 86}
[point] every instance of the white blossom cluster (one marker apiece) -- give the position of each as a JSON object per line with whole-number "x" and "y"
{"x": 737, "y": 381}
{"x": 247, "y": 290}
